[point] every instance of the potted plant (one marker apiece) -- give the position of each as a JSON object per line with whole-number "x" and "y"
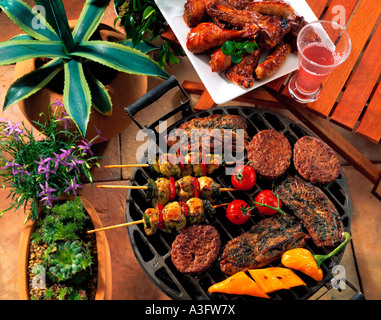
{"x": 58, "y": 260}
{"x": 77, "y": 57}
{"x": 41, "y": 171}
{"x": 144, "y": 24}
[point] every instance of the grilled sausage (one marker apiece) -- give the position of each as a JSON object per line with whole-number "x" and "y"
{"x": 273, "y": 62}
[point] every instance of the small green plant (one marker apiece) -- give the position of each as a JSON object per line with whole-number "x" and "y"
{"x": 144, "y": 23}
{"x": 237, "y": 49}
{"x": 65, "y": 222}
{"x": 68, "y": 259}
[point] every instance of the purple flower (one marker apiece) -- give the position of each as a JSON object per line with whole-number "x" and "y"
{"x": 13, "y": 129}
{"x": 21, "y": 172}
{"x": 74, "y": 164}
{"x": 99, "y": 135}
{"x": 47, "y": 193}
{"x": 57, "y": 103}
{"x": 44, "y": 167}
{"x": 86, "y": 147}
{"x": 72, "y": 186}
{"x": 65, "y": 155}
{"x": 13, "y": 166}
{"x": 65, "y": 120}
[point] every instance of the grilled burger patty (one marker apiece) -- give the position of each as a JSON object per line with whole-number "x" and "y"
{"x": 210, "y": 139}
{"x": 311, "y": 205}
{"x": 270, "y": 153}
{"x": 195, "y": 249}
{"x": 265, "y": 242}
{"x": 315, "y": 160}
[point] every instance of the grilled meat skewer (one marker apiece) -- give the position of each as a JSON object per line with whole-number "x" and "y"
{"x": 172, "y": 217}
{"x": 173, "y": 165}
{"x": 164, "y": 190}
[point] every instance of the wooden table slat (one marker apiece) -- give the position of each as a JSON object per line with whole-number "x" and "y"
{"x": 361, "y": 85}
{"x": 359, "y": 30}
{"x": 370, "y": 125}
{"x": 335, "y": 13}
{"x": 317, "y": 6}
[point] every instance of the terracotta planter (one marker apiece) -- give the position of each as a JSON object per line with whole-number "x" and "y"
{"x": 104, "y": 279}
{"x": 124, "y": 90}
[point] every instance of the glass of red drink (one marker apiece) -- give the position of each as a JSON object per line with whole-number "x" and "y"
{"x": 322, "y": 46}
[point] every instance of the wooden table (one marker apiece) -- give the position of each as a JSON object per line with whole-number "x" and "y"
{"x": 351, "y": 96}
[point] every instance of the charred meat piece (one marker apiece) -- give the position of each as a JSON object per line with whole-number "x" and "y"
{"x": 194, "y": 12}
{"x": 237, "y": 18}
{"x": 265, "y": 242}
{"x": 270, "y": 153}
{"x": 219, "y": 62}
{"x": 207, "y": 35}
{"x": 195, "y": 249}
{"x": 243, "y": 72}
{"x": 275, "y": 8}
{"x": 315, "y": 160}
{"x": 311, "y": 205}
{"x": 273, "y": 62}
{"x": 214, "y": 131}
{"x": 270, "y": 29}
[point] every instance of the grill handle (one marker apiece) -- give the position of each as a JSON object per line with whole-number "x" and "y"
{"x": 152, "y": 96}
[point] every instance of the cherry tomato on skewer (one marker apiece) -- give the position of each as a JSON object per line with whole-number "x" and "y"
{"x": 244, "y": 177}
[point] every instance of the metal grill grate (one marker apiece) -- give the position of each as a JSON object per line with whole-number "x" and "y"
{"x": 154, "y": 252}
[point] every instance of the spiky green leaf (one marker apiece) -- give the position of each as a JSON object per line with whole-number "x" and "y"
{"x": 56, "y": 17}
{"x": 100, "y": 97}
{"x": 19, "y": 50}
{"x": 119, "y": 57}
{"x": 91, "y": 16}
{"x": 28, "y": 20}
{"x": 77, "y": 97}
{"x": 141, "y": 46}
{"x": 32, "y": 82}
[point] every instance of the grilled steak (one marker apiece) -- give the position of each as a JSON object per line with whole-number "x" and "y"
{"x": 195, "y": 249}
{"x": 212, "y": 132}
{"x": 270, "y": 153}
{"x": 263, "y": 243}
{"x": 315, "y": 160}
{"x": 311, "y": 205}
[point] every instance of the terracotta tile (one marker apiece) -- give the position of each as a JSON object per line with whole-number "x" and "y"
{"x": 11, "y": 224}
{"x": 366, "y": 228}
{"x": 129, "y": 280}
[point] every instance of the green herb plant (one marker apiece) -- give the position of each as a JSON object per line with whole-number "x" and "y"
{"x": 237, "y": 49}
{"x": 68, "y": 255}
{"x": 49, "y": 36}
{"x": 67, "y": 259}
{"x": 144, "y": 23}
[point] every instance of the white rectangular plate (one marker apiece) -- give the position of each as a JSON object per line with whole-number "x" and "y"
{"x": 221, "y": 89}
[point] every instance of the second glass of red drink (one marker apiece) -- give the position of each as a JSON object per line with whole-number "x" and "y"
{"x": 322, "y": 46}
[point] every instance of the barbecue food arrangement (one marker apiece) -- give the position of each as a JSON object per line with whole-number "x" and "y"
{"x": 218, "y": 24}
{"x": 300, "y": 214}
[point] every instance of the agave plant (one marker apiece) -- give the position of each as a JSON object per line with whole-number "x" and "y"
{"x": 49, "y": 36}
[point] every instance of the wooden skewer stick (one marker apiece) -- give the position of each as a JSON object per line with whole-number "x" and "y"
{"x": 121, "y": 187}
{"x": 126, "y": 165}
{"x": 145, "y": 187}
{"x": 116, "y": 226}
{"x": 138, "y": 222}
{"x": 147, "y": 165}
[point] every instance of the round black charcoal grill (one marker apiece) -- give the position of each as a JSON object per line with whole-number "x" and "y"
{"x": 154, "y": 252}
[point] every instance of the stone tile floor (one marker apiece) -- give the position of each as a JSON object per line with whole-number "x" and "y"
{"x": 361, "y": 260}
